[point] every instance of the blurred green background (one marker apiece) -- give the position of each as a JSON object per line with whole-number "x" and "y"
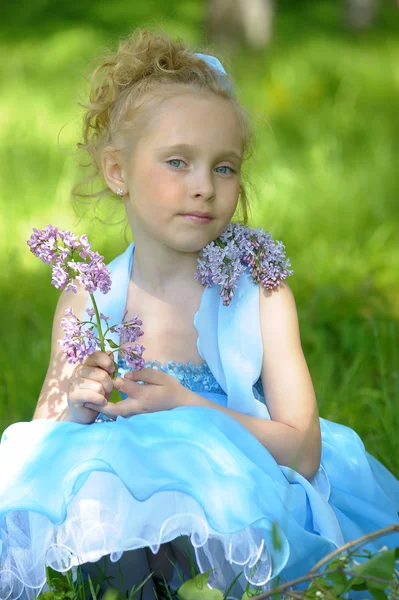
{"x": 324, "y": 175}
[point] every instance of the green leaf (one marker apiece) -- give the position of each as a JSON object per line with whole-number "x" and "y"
{"x": 378, "y": 594}
{"x": 251, "y": 593}
{"x": 111, "y": 594}
{"x": 112, "y": 343}
{"x": 115, "y": 396}
{"x": 91, "y": 586}
{"x": 197, "y": 589}
{"x": 276, "y": 537}
{"x": 56, "y": 580}
{"x": 382, "y": 566}
{"x": 319, "y": 581}
{"x": 134, "y": 590}
{"x": 357, "y": 584}
{"x": 339, "y": 582}
{"x": 85, "y": 587}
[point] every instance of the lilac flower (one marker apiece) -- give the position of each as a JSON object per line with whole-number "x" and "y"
{"x": 222, "y": 261}
{"x": 43, "y": 243}
{"x": 71, "y": 287}
{"x": 80, "y": 340}
{"x": 77, "y": 344}
{"x": 92, "y": 275}
{"x": 60, "y": 277}
{"x": 133, "y": 356}
{"x": 69, "y": 239}
{"x": 86, "y": 247}
{"x": 61, "y": 249}
{"x": 129, "y": 331}
{"x": 63, "y": 256}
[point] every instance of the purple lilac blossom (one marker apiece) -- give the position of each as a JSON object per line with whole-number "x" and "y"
{"x": 70, "y": 240}
{"x": 42, "y": 243}
{"x": 222, "y": 261}
{"x": 133, "y": 356}
{"x": 80, "y": 339}
{"x": 86, "y": 247}
{"x": 60, "y": 277}
{"x": 77, "y": 344}
{"x": 129, "y": 331}
{"x": 92, "y": 275}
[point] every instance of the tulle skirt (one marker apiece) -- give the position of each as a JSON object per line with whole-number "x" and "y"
{"x": 71, "y": 494}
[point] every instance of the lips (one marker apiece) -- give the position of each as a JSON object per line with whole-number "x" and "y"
{"x": 198, "y": 214}
{"x": 195, "y": 218}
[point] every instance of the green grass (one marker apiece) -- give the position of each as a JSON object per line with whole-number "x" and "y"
{"x": 324, "y": 178}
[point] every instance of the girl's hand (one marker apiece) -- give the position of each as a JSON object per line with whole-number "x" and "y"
{"x": 90, "y": 387}
{"x": 161, "y": 392}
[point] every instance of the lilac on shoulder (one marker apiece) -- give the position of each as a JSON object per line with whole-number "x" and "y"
{"x": 223, "y": 260}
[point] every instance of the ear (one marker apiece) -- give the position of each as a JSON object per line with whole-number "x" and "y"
{"x": 112, "y": 169}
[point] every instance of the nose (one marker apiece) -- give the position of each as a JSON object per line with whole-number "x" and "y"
{"x": 203, "y": 185}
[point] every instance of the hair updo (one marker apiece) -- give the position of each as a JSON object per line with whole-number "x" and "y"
{"x": 146, "y": 69}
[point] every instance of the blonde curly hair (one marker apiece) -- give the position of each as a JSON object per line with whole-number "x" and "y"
{"x": 146, "y": 69}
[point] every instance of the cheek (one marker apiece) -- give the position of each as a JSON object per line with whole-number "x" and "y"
{"x": 159, "y": 185}
{"x": 237, "y": 188}
{"x": 230, "y": 193}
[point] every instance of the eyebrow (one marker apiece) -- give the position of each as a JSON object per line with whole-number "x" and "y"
{"x": 188, "y": 147}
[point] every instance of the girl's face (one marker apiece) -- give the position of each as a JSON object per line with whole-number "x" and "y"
{"x": 188, "y": 161}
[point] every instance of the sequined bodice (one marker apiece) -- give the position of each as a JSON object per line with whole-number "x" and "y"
{"x": 193, "y": 377}
{"x": 198, "y": 378}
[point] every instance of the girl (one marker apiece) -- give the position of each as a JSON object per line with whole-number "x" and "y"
{"x": 221, "y": 451}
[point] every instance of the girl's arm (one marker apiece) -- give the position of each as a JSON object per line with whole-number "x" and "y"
{"x": 52, "y": 403}
{"x": 293, "y": 435}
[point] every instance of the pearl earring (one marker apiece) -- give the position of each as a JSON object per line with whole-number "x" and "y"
{"x": 119, "y": 191}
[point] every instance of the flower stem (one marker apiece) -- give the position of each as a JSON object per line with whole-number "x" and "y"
{"x": 114, "y": 397}
{"x": 100, "y": 333}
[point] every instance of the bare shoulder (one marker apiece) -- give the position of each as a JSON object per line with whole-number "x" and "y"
{"x": 53, "y": 396}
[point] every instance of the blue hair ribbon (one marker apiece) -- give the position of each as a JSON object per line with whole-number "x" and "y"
{"x": 216, "y": 65}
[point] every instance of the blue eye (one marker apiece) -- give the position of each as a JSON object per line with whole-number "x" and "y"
{"x": 174, "y": 160}
{"x": 226, "y": 167}
{"x": 178, "y": 160}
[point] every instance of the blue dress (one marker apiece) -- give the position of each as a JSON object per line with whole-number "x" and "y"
{"x": 71, "y": 493}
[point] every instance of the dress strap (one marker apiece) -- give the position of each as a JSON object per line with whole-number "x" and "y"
{"x": 230, "y": 342}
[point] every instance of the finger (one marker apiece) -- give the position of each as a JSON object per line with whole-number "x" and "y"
{"x": 80, "y": 398}
{"x": 148, "y": 375}
{"x": 102, "y": 360}
{"x": 90, "y": 384}
{"x": 131, "y": 388}
{"x": 98, "y": 375}
{"x": 124, "y": 408}
{"x": 98, "y": 409}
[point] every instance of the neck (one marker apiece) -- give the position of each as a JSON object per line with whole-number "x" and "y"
{"x": 159, "y": 269}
